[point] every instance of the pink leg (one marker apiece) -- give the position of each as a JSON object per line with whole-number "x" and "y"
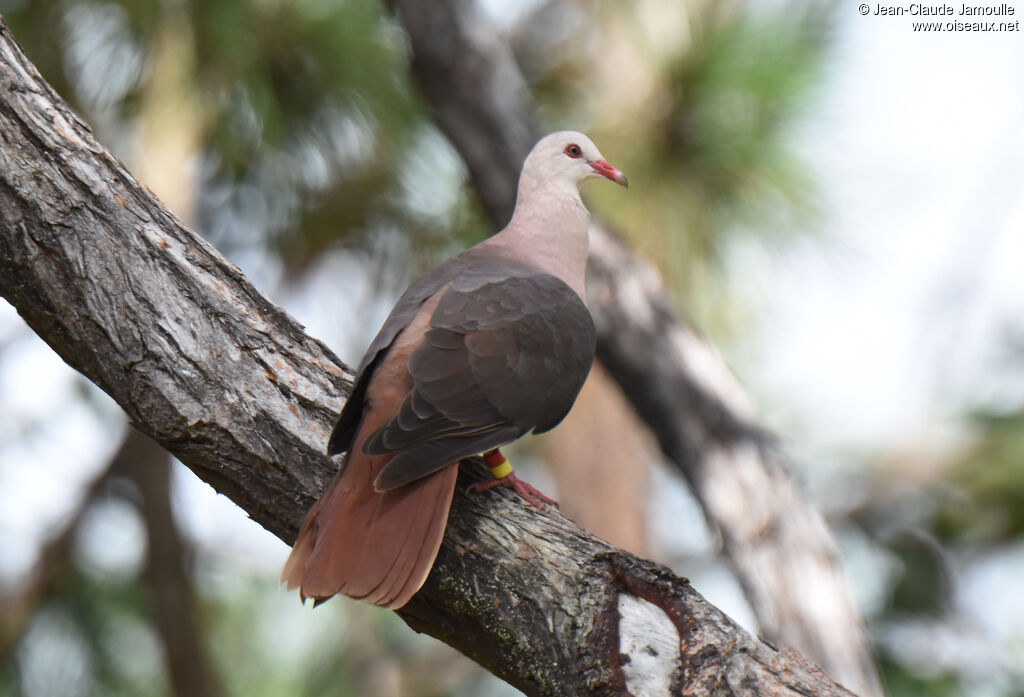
{"x": 504, "y": 476}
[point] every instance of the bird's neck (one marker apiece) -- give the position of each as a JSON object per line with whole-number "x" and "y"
{"x": 549, "y": 231}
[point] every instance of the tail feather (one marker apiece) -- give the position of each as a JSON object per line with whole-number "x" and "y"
{"x": 412, "y": 565}
{"x": 295, "y": 566}
{"x": 375, "y": 546}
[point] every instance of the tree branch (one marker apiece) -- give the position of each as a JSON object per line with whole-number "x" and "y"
{"x": 779, "y": 546}
{"x": 219, "y": 376}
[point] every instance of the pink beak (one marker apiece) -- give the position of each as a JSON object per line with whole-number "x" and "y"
{"x": 606, "y": 170}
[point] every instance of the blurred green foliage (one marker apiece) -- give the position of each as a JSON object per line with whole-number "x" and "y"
{"x": 986, "y": 501}
{"x": 305, "y": 117}
{"x": 719, "y": 155}
{"x": 734, "y": 98}
{"x": 706, "y": 137}
{"x": 82, "y": 634}
{"x": 899, "y": 682}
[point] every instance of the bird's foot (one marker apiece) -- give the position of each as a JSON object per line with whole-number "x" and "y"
{"x": 527, "y": 491}
{"x": 504, "y": 476}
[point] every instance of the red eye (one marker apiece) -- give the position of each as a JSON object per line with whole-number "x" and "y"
{"x": 573, "y": 150}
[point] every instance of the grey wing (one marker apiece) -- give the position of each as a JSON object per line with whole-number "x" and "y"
{"x": 499, "y": 360}
{"x": 405, "y": 309}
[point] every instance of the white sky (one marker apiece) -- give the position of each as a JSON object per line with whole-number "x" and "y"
{"x": 895, "y": 312}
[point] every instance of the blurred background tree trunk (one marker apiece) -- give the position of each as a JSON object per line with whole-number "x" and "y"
{"x": 173, "y": 601}
{"x": 602, "y": 456}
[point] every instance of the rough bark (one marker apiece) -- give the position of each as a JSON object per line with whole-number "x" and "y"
{"x": 774, "y": 537}
{"x": 220, "y": 377}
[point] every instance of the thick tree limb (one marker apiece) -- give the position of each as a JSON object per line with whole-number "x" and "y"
{"x": 223, "y": 379}
{"x": 775, "y": 538}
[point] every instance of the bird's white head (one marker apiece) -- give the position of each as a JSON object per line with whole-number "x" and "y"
{"x": 564, "y": 159}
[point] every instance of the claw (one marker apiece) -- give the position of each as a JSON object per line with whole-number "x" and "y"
{"x": 527, "y": 491}
{"x": 504, "y": 476}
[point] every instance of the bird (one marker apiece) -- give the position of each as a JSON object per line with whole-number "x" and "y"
{"x": 492, "y": 344}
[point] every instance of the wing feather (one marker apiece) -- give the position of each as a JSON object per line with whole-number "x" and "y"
{"x": 501, "y": 358}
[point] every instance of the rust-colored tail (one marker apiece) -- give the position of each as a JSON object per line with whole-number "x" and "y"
{"x": 370, "y": 545}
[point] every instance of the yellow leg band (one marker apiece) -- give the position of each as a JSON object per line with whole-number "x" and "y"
{"x": 502, "y": 470}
